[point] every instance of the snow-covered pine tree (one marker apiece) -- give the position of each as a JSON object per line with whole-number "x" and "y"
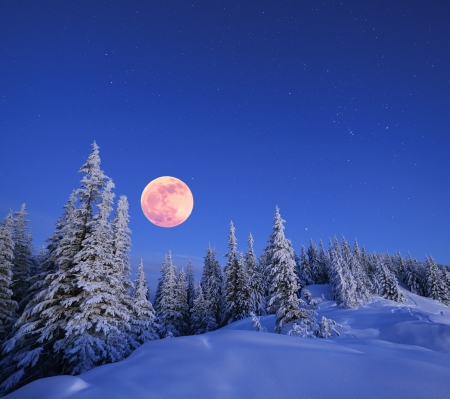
{"x": 362, "y": 281}
{"x": 182, "y": 324}
{"x": 435, "y": 283}
{"x": 122, "y": 240}
{"x": 317, "y": 273}
{"x": 258, "y": 299}
{"x": 233, "y": 280}
{"x": 400, "y": 267}
{"x": 326, "y": 327}
{"x": 256, "y": 324}
{"x": 304, "y": 271}
{"x": 143, "y": 324}
{"x": 264, "y": 270}
{"x": 96, "y": 331}
{"x": 413, "y": 276}
{"x": 341, "y": 279}
{"x": 212, "y": 285}
{"x": 7, "y": 305}
{"x": 77, "y": 321}
{"x": 190, "y": 289}
{"x": 244, "y": 297}
{"x": 22, "y": 262}
{"x": 324, "y": 260}
{"x": 202, "y": 320}
{"x": 284, "y": 285}
{"x": 387, "y": 282}
{"x": 369, "y": 267}
{"x": 168, "y": 313}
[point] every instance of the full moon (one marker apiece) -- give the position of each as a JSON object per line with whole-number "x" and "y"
{"x": 167, "y": 201}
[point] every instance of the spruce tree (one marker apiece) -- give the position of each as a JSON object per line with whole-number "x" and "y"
{"x": 318, "y": 274}
{"x": 122, "y": 240}
{"x": 256, "y": 287}
{"x": 435, "y": 283}
{"x": 284, "y": 285}
{"x": 233, "y": 280}
{"x": 78, "y": 321}
{"x": 202, "y": 320}
{"x": 324, "y": 260}
{"x": 212, "y": 285}
{"x": 362, "y": 281}
{"x": 304, "y": 271}
{"x": 182, "y": 324}
{"x": 22, "y": 262}
{"x": 7, "y": 305}
{"x": 143, "y": 324}
{"x": 413, "y": 276}
{"x": 387, "y": 282}
{"x": 341, "y": 279}
{"x": 168, "y": 312}
{"x": 190, "y": 289}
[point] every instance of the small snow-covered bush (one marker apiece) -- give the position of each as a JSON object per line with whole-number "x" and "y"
{"x": 256, "y": 323}
{"x": 326, "y": 327}
{"x": 303, "y": 328}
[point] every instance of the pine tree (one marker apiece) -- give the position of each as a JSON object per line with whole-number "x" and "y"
{"x": 361, "y": 279}
{"x": 326, "y": 328}
{"x": 167, "y": 310}
{"x": 122, "y": 240}
{"x": 324, "y": 260}
{"x": 318, "y": 275}
{"x": 341, "y": 279}
{"x": 190, "y": 290}
{"x": 387, "y": 283}
{"x": 284, "y": 286}
{"x": 143, "y": 324}
{"x": 369, "y": 268}
{"x": 182, "y": 324}
{"x": 202, "y": 320}
{"x": 78, "y": 321}
{"x": 264, "y": 270}
{"x": 435, "y": 283}
{"x": 7, "y": 305}
{"x": 400, "y": 267}
{"x": 304, "y": 270}
{"x": 235, "y": 280}
{"x": 22, "y": 262}
{"x": 256, "y": 287}
{"x": 413, "y": 276}
{"x": 256, "y": 324}
{"x": 212, "y": 285}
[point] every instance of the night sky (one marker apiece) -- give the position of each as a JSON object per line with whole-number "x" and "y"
{"x": 337, "y": 111}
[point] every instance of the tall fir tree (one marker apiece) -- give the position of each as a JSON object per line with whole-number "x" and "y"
{"x": 361, "y": 279}
{"x": 190, "y": 281}
{"x": 202, "y": 320}
{"x": 256, "y": 286}
{"x": 341, "y": 279}
{"x": 212, "y": 285}
{"x": 324, "y": 260}
{"x": 22, "y": 262}
{"x": 182, "y": 324}
{"x": 304, "y": 271}
{"x": 413, "y": 276}
{"x": 435, "y": 282}
{"x": 387, "y": 282}
{"x": 318, "y": 274}
{"x": 78, "y": 320}
{"x": 284, "y": 285}
{"x": 232, "y": 277}
{"x": 8, "y": 306}
{"x": 142, "y": 322}
{"x": 122, "y": 240}
{"x": 168, "y": 312}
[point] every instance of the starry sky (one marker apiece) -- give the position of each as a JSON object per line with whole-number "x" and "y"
{"x": 336, "y": 111}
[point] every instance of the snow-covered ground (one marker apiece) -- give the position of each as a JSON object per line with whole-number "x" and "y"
{"x": 386, "y": 350}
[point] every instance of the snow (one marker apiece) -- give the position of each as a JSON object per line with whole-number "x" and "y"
{"x": 386, "y": 350}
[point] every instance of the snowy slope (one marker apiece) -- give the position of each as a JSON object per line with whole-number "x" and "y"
{"x": 386, "y": 350}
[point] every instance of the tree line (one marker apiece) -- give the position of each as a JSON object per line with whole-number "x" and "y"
{"x": 73, "y": 307}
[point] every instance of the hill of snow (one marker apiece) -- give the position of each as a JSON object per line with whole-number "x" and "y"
{"x": 386, "y": 350}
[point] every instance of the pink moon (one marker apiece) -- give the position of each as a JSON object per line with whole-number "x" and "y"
{"x": 167, "y": 201}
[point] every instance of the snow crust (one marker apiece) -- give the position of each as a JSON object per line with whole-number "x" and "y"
{"x": 386, "y": 350}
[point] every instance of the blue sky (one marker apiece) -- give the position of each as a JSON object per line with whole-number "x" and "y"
{"x": 337, "y": 112}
